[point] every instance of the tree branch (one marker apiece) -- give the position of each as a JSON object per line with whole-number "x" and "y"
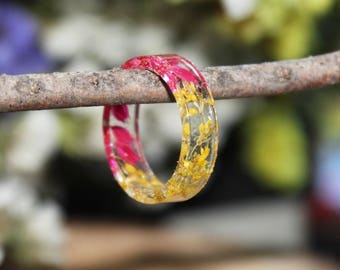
{"x": 117, "y": 86}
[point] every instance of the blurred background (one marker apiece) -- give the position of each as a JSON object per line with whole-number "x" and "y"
{"x": 273, "y": 201}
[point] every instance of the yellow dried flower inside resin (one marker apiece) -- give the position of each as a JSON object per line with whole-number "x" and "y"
{"x": 199, "y": 135}
{"x": 192, "y": 111}
{"x": 205, "y": 128}
{"x": 186, "y": 130}
{"x": 189, "y": 92}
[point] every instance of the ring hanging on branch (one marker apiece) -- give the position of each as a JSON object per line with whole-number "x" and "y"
{"x": 199, "y": 135}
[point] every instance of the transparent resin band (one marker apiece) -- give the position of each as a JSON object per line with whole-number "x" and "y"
{"x": 199, "y": 135}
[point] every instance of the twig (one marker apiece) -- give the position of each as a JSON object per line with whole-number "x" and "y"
{"x": 76, "y": 89}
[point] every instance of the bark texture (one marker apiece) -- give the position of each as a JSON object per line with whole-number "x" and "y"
{"x": 117, "y": 86}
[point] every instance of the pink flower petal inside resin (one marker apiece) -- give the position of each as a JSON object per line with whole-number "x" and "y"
{"x": 122, "y": 135}
{"x": 106, "y": 114}
{"x": 120, "y": 112}
{"x": 113, "y": 165}
{"x": 127, "y": 153}
{"x": 172, "y": 60}
{"x": 184, "y": 74}
{"x": 109, "y": 151}
{"x": 170, "y": 79}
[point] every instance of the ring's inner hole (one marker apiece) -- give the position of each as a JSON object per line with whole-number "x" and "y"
{"x": 160, "y": 135}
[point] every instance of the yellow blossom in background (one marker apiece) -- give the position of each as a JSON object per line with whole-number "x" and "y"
{"x": 274, "y": 148}
{"x": 286, "y": 28}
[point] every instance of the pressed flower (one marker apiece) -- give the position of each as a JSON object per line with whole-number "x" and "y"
{"x": 186, "y": 130}
{"x": 192, "y": 111}
{"x": 113, "y": 165}
{"x": 122, "y": 135}
{"x": 120, "y": 112}
{"x": 106, "y": 114}
{"x": 176, "y": 186}
{"x": 209, "y": 101}
{"x": 204, "y": 153}
{"x": 179, "y": 98}
{"x": 127, "y": 153}
{"x": 108, "y": 149}
{"x": 184, "y": 149}
{"x": 170, "y": 79}
{"x": 189, "y": 92}
{"x": 129, "y": 168}
{"x": 184, "y": 74}
{"x": 205, "y": 129}
{"x": 107, "y": 139}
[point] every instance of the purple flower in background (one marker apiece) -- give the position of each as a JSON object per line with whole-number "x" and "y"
{"x": 19, "y": 50}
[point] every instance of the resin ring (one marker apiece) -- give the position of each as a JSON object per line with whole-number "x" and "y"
{"x": 199, "y": 135}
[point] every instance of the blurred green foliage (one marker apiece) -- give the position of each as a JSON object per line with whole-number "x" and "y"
{"x": 326, "y": 112}
{"x": 74, "y": 129}
{"x": 287, "y": 29}
{"x": 275, "y": 147}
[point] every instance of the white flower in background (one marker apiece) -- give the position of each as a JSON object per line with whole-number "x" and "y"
{"x": 35, "y": 138}
{"x": 193, "y": 51}
{"x": 150, "y": 39}
{"x": 102, "y": 42}
{"x": 71, "y": 36}
{"x": 82, "y": 63}
{"x": 43, "y": 236}
{"x": 16, "y": 198}
{"x": 33, "y": 230}
{"x": 93, "y": 42}
{"x": 238, "y": 10}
